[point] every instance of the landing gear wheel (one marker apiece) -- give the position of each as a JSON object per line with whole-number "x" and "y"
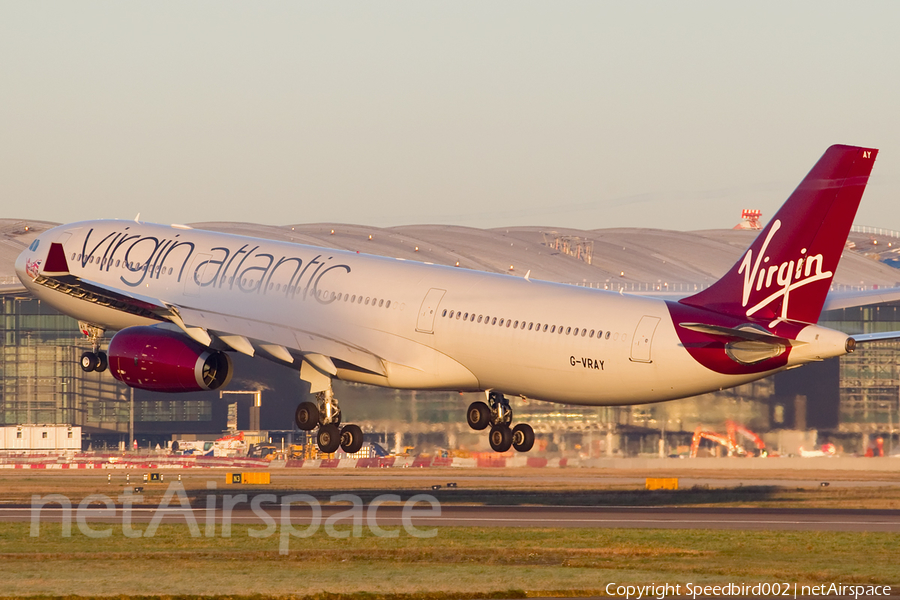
{"x": 102, "y": 362}
{"x": 329, "y": 438}
{"x": 307, "y": 416}
{"x": 351, "y": 439}
{"x": 88, "y": 362}
{"x": 500, "y": 437}
{"x": 522, "y": 437}
{"x": 478, "y": 415}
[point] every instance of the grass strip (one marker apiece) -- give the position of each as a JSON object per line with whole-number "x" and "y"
{"x": 458, "y": 562}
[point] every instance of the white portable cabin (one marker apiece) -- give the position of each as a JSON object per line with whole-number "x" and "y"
{"x": 40, "y": 437}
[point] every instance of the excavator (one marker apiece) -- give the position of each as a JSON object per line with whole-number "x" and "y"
{"x": 729, "y": 440}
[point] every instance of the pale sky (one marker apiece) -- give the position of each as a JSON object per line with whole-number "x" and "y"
{"x": 487, "y": 114}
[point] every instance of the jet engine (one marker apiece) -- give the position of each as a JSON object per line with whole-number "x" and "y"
{"x": 160, "y": 360}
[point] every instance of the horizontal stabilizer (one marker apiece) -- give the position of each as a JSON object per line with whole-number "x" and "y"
{"x": 881, "y": 336}
{"x": 748, "y": 333}
{"x": 851, "y": 299}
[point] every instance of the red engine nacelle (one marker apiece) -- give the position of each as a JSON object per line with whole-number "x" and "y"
{"x": 159, "y": 360}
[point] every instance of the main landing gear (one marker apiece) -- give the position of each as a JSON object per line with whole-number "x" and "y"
{"x": 498, "y": 414}
{"x": 326, "y": 415}
{"x": 95, "y": 360}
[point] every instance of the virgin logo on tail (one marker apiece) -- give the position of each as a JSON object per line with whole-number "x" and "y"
{"x": 784, "y": 277}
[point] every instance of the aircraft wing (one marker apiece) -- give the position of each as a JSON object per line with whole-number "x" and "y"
{"x": 243, "y": 335}
{"x": 55, "y": 275}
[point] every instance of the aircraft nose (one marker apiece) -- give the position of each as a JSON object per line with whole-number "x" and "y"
{"x": 29, "y": 261}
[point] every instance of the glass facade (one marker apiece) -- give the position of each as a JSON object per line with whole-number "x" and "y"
{"x": 870, "y": 376}
{"x": 41, "y": 381}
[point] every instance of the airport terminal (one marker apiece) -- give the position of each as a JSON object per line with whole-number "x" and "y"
{"x": 845, "y": 405}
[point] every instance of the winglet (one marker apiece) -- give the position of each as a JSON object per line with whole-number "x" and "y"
{"x": 528, "y": 275}
{"x": 56, "y": 264}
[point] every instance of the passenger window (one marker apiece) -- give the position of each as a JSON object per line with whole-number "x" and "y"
{"x": 553, "y": 329}
{"x": 501, "y": 322}
{"x": 451, "y": 314}
{"x": 339, "y": 297}
{"x": 545, "y": 328}
{"x": 494, "y": 321}
{"x": 444, "y": 314}
{"x": 381, "y": 303}
{"x": 458, "y": 315}
{"x": 560, "y": 329}
{"x": 529, "y": 326}
{"x": 388, "y": 304}
{"x": 592, "y": 333}
{"x": 353, "y": 299}
{"x": 466, "y": 317}
{"x": 73, "y": 255}
{"x": 607, "y": 335}
{"x": 568, "y": 330}
{"x": 367, "y": 301}
{"x": 583, "y": 332}
{"x": 508, "y": 323}
{"x": 479, "y": 318}
{"x": 515, "y": 325}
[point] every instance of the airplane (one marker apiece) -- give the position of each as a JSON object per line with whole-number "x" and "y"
{"x": 181, "y": 299}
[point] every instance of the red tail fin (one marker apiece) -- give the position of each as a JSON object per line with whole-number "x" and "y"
{"x": 787, "y": 271}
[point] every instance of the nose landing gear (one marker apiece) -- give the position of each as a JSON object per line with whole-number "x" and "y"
{"x": 326, "y": 415}
{"x": 498, "y": 414}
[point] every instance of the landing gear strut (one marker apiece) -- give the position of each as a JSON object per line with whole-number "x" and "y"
{"x": 95, "y": 360}
{"x": 498, "y": 414}
{"x": 325, "y": 414}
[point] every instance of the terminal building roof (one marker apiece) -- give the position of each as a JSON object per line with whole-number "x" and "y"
{"x": 631, "y": 259}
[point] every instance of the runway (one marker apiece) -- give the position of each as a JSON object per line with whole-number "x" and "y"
{"x": 424, "y": 514}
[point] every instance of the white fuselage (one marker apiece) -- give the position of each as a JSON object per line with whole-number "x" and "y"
{"x": 388, "y": 321}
